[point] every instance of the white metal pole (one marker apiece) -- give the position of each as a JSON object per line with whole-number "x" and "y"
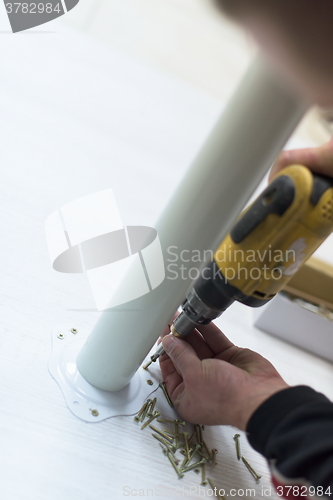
{"x": 254, "y": 127}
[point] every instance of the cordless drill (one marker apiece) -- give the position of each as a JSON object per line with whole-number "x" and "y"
{"x": 269, "y": 242}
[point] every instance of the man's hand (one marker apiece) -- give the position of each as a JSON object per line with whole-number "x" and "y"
{"x": 211, "y": 381}
{"x": 319, "y": 160}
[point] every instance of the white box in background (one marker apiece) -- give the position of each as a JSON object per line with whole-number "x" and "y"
{"x": 304, "y": 328}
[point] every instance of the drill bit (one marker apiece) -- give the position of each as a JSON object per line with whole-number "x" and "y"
{"x": 161, "y": 350}
{"x": 154, "y": 357}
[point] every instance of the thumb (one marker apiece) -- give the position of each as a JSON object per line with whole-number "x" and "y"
{"x": 182, "y": 355}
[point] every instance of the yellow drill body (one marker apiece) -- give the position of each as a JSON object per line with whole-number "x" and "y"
{"x": 262, "y": 263}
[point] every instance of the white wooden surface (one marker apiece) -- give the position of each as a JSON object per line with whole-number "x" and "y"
{"x": 187, "y": 38}
{"x": 76, "y": 118}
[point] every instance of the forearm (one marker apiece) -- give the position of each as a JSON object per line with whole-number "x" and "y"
{"x": 293, "y": 429}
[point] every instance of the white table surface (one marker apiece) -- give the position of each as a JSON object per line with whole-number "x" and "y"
{"x": 74, "y": 119}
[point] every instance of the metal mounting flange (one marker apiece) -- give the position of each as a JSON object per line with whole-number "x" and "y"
{"x": 84, "y": 400}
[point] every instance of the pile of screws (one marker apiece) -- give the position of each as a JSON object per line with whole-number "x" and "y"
{"x": 185, "y": 452}
{"x": 174, "y": 440}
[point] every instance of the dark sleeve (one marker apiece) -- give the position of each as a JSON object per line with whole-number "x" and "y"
{"x": 293, "y": 429}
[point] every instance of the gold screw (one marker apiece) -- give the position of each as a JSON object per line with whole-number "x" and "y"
{"x": 161, "y": 433}
{"x": 251, "y": 469}
{"x": 194, "y": 451}
{"x": 150, "y": 382}
{"x": 173, "y": 433}
{"x": 177, "y": 433}
{"x": 188, "y": 457}
{"x": 171, "y": 421}
{"x": 166, "y": 449}
{"x": 61, "y": 336}
{"x": 190, "y": 439}
{"x": 165, "y": 392}
{"x": 203, "y": 475}
{"x": 184, "y": 462}
{"x": 198, "y": 432}
{"x": 152, "y": 405}
{"x": 156, "y": 414}
{"x": 203, "y": 453}
{"x": 166, "y": 446}
{"x": 238, "y": 450}
{"x": 204, "y": 444}
{"x": 138, "y": 415}
{"x": 74, "y": 330}
{"x": 145, "y": 411}
{"x": 160, "y": 439}
{"x": 150, "y": 409}
{"x": 145, "y": 367}
{"x": 94, "y": 413}
{"x": 185, "y": 435}
{"x": 213, "y": 456}
{"x": 212, "y": 485}
{"x": 194, "y": 466}
{"x": 174, "y": 465}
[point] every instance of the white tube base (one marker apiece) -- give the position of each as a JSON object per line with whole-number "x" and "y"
{"x": 85, "y": 401}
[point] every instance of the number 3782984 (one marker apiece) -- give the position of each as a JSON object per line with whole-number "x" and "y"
{"x": 33, "y": 8}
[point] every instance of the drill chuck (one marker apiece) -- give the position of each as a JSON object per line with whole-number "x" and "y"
{"x": 194, "y": 312}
